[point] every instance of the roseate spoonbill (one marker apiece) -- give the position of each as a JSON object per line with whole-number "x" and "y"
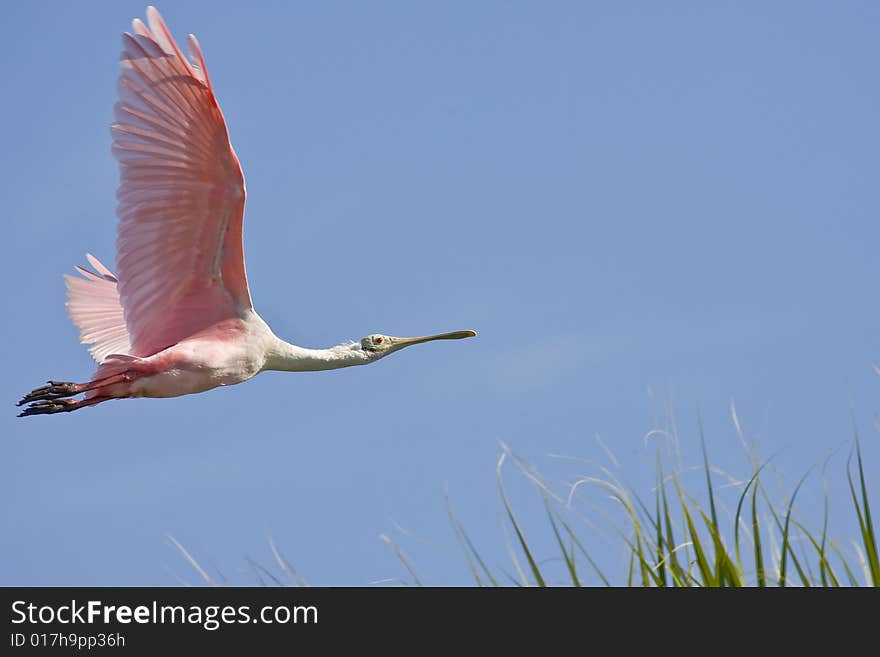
{"x": 178, "y": 318}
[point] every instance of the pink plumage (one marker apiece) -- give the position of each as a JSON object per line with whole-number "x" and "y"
{"x": 94, "y": 308}
{"x": 181, "y": 196}
{"x": 177, "y": 317}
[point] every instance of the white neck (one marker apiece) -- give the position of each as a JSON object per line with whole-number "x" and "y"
{"x": 285, "y": 357}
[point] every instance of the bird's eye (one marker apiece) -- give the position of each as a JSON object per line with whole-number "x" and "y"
{"x": 379, "y": 340}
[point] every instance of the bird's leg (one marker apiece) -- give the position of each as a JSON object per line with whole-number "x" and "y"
{"x": 54, "y": 390}
{"x": 50, "y": 406}
{"x": 58, "y": 390}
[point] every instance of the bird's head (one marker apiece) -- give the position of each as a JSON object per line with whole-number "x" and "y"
{"x": 378, "y": 345}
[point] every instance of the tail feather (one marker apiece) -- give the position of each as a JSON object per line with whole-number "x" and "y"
{"x": 94, "y": 308}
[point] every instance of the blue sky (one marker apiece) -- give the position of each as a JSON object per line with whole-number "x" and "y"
{"x": 639, "y": 207}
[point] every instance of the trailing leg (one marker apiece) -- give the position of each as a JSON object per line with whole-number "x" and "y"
{"x": 54, "y": 390}
{"x": 50, "y": 406}
{"x": 53, "y": 398}
{"x": 58, "y": 390}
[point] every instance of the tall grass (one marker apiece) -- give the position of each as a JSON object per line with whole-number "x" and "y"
{"x": 669, "y": 538}
{"x": 674, "y": 541}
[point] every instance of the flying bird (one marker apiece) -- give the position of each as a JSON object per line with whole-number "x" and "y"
{"x": 177, "y": 317}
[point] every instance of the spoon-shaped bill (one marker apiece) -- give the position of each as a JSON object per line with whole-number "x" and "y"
{"x": 455, "y": 335}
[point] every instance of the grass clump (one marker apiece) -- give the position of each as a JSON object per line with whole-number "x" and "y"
{"x": 672, "y": 538}
{"x": 679, "y": 542}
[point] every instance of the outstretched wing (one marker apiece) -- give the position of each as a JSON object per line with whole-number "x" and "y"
{"x": 179, "y": 260}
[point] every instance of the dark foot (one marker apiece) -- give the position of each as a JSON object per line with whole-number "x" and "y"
{"x": 49, "y": 406}
{"x": 55, "y": 390}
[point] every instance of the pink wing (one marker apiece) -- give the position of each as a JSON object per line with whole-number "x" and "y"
{"x": 181, "y": 195}
{"x": 94, "y": 308}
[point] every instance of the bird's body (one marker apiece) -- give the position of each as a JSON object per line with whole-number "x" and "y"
{"x": 178, "y": 318}
{"x": 229, "y": 352}
{"x": 224, "y": 354}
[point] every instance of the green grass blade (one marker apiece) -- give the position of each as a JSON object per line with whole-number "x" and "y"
{"x": 866, "y": 524}
{"x": 850, "y": 576}
{"x": 786, "y": 545}
{"x": 469, "y": 550}
{"x": 569, "y": 558}
{"x": 586, "y": 554}
{"x": 519, "y": 535}
{"x": 678, "y": 573}
{"x": 699, "y": 552}
{"x": 661, "y": 558}
{"x": 736, "y": 518}
{"x": 646, "y": 570}
{"x": 708, "y": 475}
{"x": 756, "y": 539}
{"x": 726, "y": 573}
{"x": 725, "y": 570}
{"x": 786, "y": 550}
{"x": 826, "y": 572}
